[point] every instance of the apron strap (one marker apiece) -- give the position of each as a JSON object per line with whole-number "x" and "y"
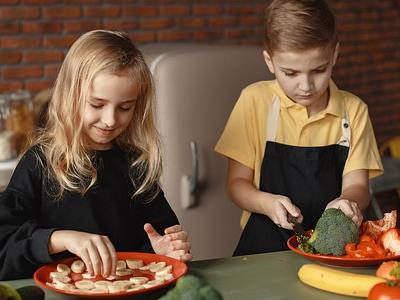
{"x": 273, "y": 118}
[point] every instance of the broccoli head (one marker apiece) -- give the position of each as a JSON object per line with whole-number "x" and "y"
{"x": 332, "y": 232}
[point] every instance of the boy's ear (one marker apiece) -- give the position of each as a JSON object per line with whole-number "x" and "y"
{"x": 335, "y": 55}
{"x": 268, "y": 61}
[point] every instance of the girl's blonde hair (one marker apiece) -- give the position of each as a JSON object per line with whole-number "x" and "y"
{"x": 298, "y": 25}
{"x": 70, "y": 164}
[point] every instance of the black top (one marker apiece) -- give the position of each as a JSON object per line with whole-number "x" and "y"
{"x": 28, "y": 215}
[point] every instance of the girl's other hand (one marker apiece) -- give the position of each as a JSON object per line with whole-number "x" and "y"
{"x": 96, "y": 251}
{"x": 278, "y": 210}
{"x": 174, "y": 243}
{"x": 349, "y": 208}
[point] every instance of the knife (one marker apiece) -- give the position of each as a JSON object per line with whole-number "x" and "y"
{"x": 297, "y": 227}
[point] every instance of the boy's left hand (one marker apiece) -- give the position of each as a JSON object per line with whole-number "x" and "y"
{"x": 174, "y": 243}
{"x": 349, "y": 208}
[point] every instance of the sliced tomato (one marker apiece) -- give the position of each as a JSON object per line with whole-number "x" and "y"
{"x": 366, "y": 238}
{"x": 353, "y": 252}
{"x": 372, "y": 249}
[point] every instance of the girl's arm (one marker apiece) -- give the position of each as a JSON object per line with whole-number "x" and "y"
{"x": 244, "y": 194}
{"x": 355, "y": 195}
{"x": 23, "y": 243}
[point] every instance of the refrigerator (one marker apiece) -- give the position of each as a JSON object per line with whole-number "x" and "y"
{"x": 196, "y": 88}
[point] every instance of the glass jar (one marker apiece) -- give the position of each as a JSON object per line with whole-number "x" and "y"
{"x": 20, "y": 118}
{"x": 7, "y": 137}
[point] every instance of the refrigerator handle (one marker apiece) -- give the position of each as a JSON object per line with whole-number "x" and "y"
{"x": 189, "y": 183}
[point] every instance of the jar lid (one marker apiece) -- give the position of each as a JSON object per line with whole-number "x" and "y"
{"x": 20, "y": 95}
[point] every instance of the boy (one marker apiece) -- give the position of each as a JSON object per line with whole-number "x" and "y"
{"x": 297, "y": 145}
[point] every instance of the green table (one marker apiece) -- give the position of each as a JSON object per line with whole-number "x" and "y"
{"x": 261, "y": 276}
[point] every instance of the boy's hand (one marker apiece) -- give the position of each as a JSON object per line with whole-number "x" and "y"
{"x": 349, "y": 208}
{"x": 96, "y": 251}
{"x": 174, "y": 243}
{"x": 279, "y": 209}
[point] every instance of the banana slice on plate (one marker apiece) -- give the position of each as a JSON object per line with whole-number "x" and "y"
{"x": 78, "y": 266}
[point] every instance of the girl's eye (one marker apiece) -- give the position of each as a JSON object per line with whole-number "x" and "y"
{"x": 125, "y": 108}
{"x": 96, "y": 106}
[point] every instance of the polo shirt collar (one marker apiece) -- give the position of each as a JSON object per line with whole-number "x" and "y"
{"x": 335, "y": 103}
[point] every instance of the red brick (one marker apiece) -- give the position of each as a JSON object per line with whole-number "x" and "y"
{"x": 10, "y": 57}
{"x": 51, "y": 70}
{"x": 85, "y": 3}
{"x": 61, "y": 12}
{"x": 42, "y": 27}
{"x": 9, "y": 28}
{"x": 80, "y": 26}
{"x": 42, "y": 56}
{"x": 207, "y": 9}
{"x": 100, "y": 12}
{"x": 251, "y": 21}
{"x": 59, "y": 41}
{"x": 19, "y": 42}
{"x": 172, "y": 36}
{"x": 204, "y": 35}
{"x": 192, "y": 22}
{"x": 120, "y": 25}
{"x": 139, "y": 11}
{"x": 8, "y": 2}
{"x": 143, "y": 37}
{"x": 18, "y": 13}
{"x": 21, "y": 72}
{"x": 40, "y": 1}
{"x": 10, "y": 86}
{"x": 243, "y": 9}
{"x": 156, "y": 23}
{"x": 223, "y": 21}
{"x": 38, "y": 85}
{"x": 174, "y": 10}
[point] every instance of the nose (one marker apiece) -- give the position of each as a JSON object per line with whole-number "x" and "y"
{"x": 306, "y": 84}
{"x": 109, "y": 117}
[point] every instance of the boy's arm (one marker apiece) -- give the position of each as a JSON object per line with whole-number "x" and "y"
{"x": 244, "y": 194}
{"x": 355, "y": 195}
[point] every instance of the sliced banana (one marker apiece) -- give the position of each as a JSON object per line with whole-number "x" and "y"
{"x": 102, "y": 283}
{"x": 117, "y": 288}
{"x": 165, "y": 277}
{"x": 157, "y": 266}
{"x": 139, "y": 279}
{"x": 78, "y": 266}
{"x": 121, "y": 264}
{"x": 63, "y": 268}
{"x": 135, "y": 288}
{"x": 84, "y": 284}
{"x": 111, "y": 277}
{"x": 153, "y": 283}
{"x": 124, "y": 272}
{"x": 134, "y": 263}
{"x": 58, "y": 274}
{"x": 87, "y": 275}
{"x": 165, "y": 270}
{"x": 63, "y": 279}
{"x": 99, "y": 290}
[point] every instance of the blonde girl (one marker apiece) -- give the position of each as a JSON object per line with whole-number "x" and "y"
{"x": 88, "y": 185}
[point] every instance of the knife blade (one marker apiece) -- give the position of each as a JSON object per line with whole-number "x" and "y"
{"x": 297, "y": 227}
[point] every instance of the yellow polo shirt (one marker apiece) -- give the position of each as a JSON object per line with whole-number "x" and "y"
{"x": 244, "y": 136}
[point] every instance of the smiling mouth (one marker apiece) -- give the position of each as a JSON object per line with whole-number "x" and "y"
{"x": 105, "y": 131}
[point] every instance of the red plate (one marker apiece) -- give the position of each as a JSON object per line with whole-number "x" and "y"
{"x": 340, "y": 261}
{"x": 42, "y": 275}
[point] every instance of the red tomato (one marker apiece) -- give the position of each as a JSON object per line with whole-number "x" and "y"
{"x": 385, "y": 291}
{"x": 372, "y": 249}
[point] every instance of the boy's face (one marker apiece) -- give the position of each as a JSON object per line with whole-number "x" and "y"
{"x": 109, "y": 110}
{"x": 304, "y": 76}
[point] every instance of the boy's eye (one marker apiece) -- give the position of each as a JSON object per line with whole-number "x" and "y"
{"x": 289, "y": 74}
{"x": 319, "y": 71}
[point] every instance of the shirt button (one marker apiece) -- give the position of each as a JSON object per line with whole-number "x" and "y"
{"x": 345, "y": 125}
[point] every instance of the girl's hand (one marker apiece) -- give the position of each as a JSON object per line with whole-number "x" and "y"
{"x": 96, "y": 251}
{"x": 174, "y": 243}
{"x": 278, "y": 210}
{"x": 349, "y": 208}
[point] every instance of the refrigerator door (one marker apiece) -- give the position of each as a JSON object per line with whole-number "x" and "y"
{"x": 196, "y": 89}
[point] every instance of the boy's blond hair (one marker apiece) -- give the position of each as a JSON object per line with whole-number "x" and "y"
{"x": 69, "y": 161}
{"x": 298, "y": 25}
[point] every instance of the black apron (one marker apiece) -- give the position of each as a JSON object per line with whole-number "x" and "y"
{"x": 310, "y": 177}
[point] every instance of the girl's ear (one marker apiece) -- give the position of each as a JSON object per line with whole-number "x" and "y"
{"x": 335, "y": 55}
{"x": 268, "y": 61}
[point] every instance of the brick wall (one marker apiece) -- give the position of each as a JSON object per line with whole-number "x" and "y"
{"x": 35, "y": 34}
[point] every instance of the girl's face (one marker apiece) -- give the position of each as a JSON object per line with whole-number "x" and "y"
{"x": 109, "y": 110}
{"x": 304, "y": 76}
